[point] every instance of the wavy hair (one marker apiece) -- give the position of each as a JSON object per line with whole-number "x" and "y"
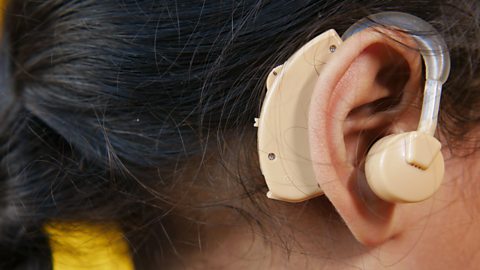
{"x": 120, "y": 111}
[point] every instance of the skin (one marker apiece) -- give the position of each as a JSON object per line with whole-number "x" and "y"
{"x": 349, "y": 227}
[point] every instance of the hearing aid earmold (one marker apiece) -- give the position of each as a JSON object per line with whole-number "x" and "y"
{"x": 406, "y": 167}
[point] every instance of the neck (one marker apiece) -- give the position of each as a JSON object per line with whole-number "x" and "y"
{"x": 224, "y": 233}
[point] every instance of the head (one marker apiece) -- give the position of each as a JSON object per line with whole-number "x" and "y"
{"x": 140, "y": 114}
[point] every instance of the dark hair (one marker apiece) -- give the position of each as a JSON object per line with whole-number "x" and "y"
{"x": 111, "y": 110}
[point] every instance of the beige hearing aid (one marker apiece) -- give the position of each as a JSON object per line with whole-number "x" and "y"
{"x": 406, "y": 167}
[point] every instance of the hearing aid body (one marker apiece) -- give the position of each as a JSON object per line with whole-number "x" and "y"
{"x": 283, "y": 146}
{"x": 406, "y": 167}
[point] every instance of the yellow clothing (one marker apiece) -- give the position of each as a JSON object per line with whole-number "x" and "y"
{"x": 3, "y": 6}
{"x": 82, "y": 247}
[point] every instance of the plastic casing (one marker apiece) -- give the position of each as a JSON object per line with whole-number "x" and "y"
{"x": 283, "y": 144}
{"x": 405, "y": 168}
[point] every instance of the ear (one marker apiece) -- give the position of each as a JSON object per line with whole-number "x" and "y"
{"x": 371, "y": 87}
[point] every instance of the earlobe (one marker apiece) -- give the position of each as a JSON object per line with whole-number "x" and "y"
{"x": 370, "y": 88}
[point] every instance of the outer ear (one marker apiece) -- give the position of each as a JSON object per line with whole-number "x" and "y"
{"x": 370, "y": 88}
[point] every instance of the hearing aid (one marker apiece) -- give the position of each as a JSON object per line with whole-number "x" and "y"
{"x": 399, "y": 168}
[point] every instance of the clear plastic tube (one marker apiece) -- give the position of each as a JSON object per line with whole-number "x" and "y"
{"x": 434, "y": 52}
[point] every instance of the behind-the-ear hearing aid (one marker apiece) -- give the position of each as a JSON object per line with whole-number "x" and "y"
{"x": 406, "y": 167}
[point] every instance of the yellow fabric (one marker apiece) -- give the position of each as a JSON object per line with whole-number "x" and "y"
{"x": 3, "y": 4}
{"x": 82, "y": 246}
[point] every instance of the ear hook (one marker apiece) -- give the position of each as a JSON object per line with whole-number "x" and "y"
{"x": 434, "y": 52}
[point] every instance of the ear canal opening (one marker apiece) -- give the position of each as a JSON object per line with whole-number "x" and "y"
{"x": 371, "y": 138}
